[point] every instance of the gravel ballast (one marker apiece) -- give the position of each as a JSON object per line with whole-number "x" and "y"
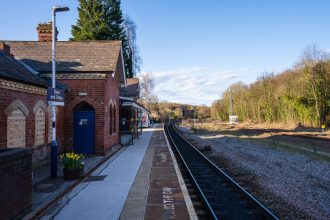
{"x": 293, "y": 185}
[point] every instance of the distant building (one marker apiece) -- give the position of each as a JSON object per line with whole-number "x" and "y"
{"x": 233, "y": 119}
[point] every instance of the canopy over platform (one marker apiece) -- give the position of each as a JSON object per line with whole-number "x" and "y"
{"x": 132, "y": 115}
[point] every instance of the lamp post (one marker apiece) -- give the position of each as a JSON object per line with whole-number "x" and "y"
{"x": 53, "y": 163}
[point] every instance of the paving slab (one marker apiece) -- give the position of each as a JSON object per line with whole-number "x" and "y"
{"x": 45, "y": 189}
{"x": 163, "y": 197}
{"x": 105, "y": 198}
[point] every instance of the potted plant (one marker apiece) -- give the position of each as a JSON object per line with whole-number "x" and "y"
{"x": 73, "y": 166}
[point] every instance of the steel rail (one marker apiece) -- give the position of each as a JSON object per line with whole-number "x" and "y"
{"x": 259, "y": 207}
{"x": 198, "y": 189}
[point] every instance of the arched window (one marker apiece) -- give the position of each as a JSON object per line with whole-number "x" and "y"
{"x": 110, "y": 121}
{"x": 16, "y": 121}
{"x": 40, "y": 123}
{"x": 114, "y": 118}
{"x": 39, "y": 127}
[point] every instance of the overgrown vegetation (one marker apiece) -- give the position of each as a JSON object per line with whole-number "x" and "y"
{"x": 300, "y": 95}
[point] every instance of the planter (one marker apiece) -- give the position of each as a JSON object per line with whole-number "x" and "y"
{"x": 72, "y": 174}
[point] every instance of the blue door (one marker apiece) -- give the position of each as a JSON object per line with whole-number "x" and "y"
{"x": 84, "y": 132}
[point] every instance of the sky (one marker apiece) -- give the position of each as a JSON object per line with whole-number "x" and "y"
{"x": 195, "y": 49}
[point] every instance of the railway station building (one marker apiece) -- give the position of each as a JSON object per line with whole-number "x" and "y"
{"x": 133, "y": 115}
{"x": 90, "y": 72}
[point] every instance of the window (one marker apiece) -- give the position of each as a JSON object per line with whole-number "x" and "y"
{"x": 16, "y": 122}
{"x": 16, "y": 129}
{"x": 40, "y": 123}
{"x": 110, "y": 120}
{"x": 39, "y": 127}
{"x": 114, "y": 118}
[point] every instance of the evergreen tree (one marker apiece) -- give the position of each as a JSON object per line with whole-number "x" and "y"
{"x": 91, "y": 24}
{"x": 103, "y": 20}
{"x": 117, "y": 31}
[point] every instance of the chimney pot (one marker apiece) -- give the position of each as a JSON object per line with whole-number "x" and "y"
{"x": 45, "y": 32}
{"x": 5, "y": 48}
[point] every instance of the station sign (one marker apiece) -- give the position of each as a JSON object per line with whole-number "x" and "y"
{"x": 55, "y": 97}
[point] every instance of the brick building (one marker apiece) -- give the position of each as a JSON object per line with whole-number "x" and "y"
{"x": 90, "y": 72}
{"x": 132, "y": 89}
{"x": 133, "y": 114}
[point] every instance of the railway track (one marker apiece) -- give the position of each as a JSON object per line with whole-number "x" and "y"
{"x": 218, "y": 193}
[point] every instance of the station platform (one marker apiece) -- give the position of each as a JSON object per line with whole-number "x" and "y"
{"x": 142, "y": 181}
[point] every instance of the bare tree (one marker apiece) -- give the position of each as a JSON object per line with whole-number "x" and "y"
{"x": 312, "y": 54}
{"x": 130, "y": 29}
{"x": 147, "y": 86}
{"x": 148, "y": 98}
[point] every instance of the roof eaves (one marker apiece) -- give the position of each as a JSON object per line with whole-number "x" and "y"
{"x": 30, "y": 69}
{"x": 24, "y": 81}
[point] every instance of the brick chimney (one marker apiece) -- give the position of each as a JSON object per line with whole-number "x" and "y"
{"x": 45, "y": 32}
{"x": 5, "y": 48}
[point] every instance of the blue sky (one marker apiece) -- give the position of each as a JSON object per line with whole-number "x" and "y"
{"x": 195, "y": 49}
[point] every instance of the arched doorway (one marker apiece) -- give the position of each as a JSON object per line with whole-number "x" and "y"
{"x": 84, "y": 129}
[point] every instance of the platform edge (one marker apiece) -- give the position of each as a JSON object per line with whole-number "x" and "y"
{"x": 187, "y": 199}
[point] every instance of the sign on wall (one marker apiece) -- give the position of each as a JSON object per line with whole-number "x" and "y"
{"x": 55, "y": 97}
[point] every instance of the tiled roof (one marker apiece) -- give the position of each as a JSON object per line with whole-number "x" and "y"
{"x": 132, "y": 88}
{"x": 10, "y": 68}
{"x": 71, "y": 56}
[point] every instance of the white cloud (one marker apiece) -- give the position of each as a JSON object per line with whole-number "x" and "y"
{"x": 198, "y": 85}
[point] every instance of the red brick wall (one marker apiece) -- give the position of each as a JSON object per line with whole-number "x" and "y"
{"x": 41, "y": 153}
{"x": 15, "y": 183}
{"x": 29, "y": 100}
{"x": 99, "y": 93}
{"x": 111, "y": 93}
{"x": 95, "y": 97}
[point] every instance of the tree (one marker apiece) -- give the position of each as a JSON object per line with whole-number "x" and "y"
{"x": 300, "y": 95}
{"x": 118, "y": 31}
{"x": 320, "y": 89}
{"x": 147, "y": 86}
{"x": 178, "y": 112}
{"x": 103, "y": 20}
{"x": 203, "y": 112}
{"x": 134, "y": 57}
{"x": 317, "y": 73}
{"x": 312, "y": 54}
{"x": 147, "y": 96}
{"x": 267, "y": 81}
{"x": 91, "y": 24}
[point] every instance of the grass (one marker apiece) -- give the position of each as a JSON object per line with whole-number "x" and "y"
{"x": 266, "y": 142}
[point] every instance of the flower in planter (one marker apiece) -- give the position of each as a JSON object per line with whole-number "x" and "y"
{"x": 72, "y": 161}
